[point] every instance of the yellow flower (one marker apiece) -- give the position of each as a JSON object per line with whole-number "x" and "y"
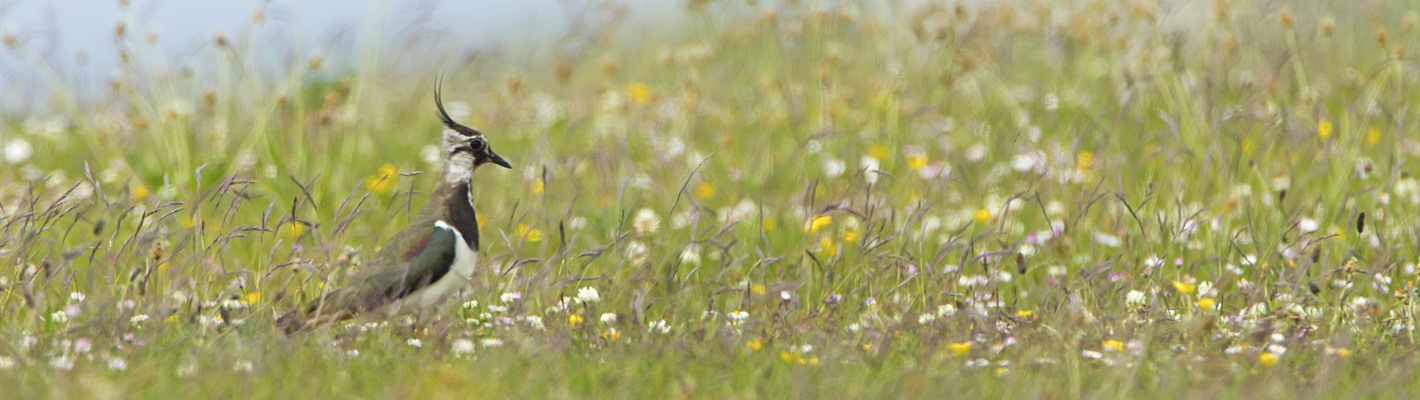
{"x": 383, "y": 181}
{"x": 755, "y": 344}
{"x": 531, "y": 234}
{"x": 1205, "y": 303}
{"x": 1323, "y": 128}
{"x": 1027, "y": 314}
{"x": 758, "y": 289}
{"x": 1267, "y": 359}
{"x": 1343, "y": 352}
{"x": 851, "y": 235}
{"x": 917, "y": 161}
{"x": 878, "y": 151}
{"x": 536, "y": 186}
{"x": 638, "y": 92}
{"x": 189, "y": 222}
{"x": 1001, "y": 371}
{"x": 1249, "y": 146}
{"x": 139, "y": 193}
{"x": 1185, "y": 288}
{"x": 960, "y": 349}
{"x": 1083, "y": 160}
{"x": 829, "y": 248}
{"x": 767, "y": 225}
{"x": 791, "y": 358}
{"x": 982, "y": 215}
{"x": 819, "y": 223}
{"x": 705, "y": 190}
{"x": 293, "y": 229}
{"x": 867, "y": 346}
{"x": 1112, "y": 345}
{"x": 612, "y": 335}
{"x": 574, "y": 320}
{"x": 252, "y": 298}
{"x": 1373, "y": 137}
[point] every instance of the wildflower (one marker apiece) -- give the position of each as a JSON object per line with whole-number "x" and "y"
{"x": 982, "y": 215}
{"x": 76, "y": 297}
{"x": 646, "y": 222}
{"x": 1373, "y": 137}
{"x": 608, "y": 318}
{"x": 827, "y": 246}
{"x": 1112, "y": 345}
{"x": 659, "y": 326}
{"x": 1091, "y": 354}
{"x": 528, "y": 233}
{"x": 1206, "y": 303}
{"x": 959, "y": 349}
{"x": 755, "y": 344}
{"x": 252, "y": 298}
{"x": 535, "y": 322}
{"x": 18, "y": 151}
{"x": 139, "y": 193}
{"x": 1267, "y": 359}
{"x": 1135, "y": 299}
{"x": 116, "y": 364}
{"x": 509, "y": 297}
{"x": 818, "y": 223}
{"x": 739, "y": 315}
{"x": 293, "y": 229}
{"x": 917, "y": 161}
{"x": 1323, "y": 128}
{"x": 878, "y": 151}
{"x": 1106, "y": 239}
{"x": 851, "y": 235}
{"x": 638, "y": 92}
{"x": 462, "y": 346}
{"x": 138, "y": 319}
{"x": 536, "y": 186}
{"x": 1026, "y": 314}
{"x": 705, "y": 190}
{"x": 691, "y": 255}
{"x": 1185, "y": 288}
{"x": 833, "y": 167}
{"x": 611, "y": 334}
{"x": 415, "y": 343}
{"x": 758, "y": 289}
{"x": 385, "y": 179}
{"x": 588, "y": 295}
{"x": 637, "y": 252}
{"x": 574, "y": 320}
{"x": 490, "y": 342}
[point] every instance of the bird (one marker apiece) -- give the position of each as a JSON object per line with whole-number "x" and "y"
{"x": 426, "y": 261}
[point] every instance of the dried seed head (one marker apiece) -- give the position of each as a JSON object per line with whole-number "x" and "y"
{"x": 1381, "y": 35}
{"x": 1284, "y": 16}
{"x": 1328, "y": 26}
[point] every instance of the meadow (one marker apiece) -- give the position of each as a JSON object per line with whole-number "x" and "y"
{"x": 1031, "y": 199}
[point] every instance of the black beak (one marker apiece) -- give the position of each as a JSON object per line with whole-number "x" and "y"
{"x": 497, "y": 159}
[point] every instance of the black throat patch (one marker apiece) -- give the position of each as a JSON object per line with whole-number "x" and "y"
{"x": 462, "y": 216}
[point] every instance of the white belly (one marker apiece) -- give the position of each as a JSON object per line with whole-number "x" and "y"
{"x": 458, "y": 277}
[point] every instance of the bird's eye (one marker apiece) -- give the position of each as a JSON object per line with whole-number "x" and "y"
{"x": 476, "y": 144}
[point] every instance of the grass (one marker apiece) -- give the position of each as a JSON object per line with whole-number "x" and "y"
{"x": 1038, "y": 199}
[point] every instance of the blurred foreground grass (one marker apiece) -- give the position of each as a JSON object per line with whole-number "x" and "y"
{"x": 1036, "y": 199}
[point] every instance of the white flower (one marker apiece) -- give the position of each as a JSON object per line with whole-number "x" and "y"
{"x": 6, "y": 363}
{"x": 833, "y": 167}
{"x": 243, "y": 366}
{"x": 535, "y": 322}
{"x": 497, "y": 309}
{"x": 1307, "y": 225}
{"x": 870, "y": 167}
{"x": 637, "y": 252}
{"x": 491, "y": 342}
{"x": 926, "y": 318}
{"x": 1106, "y": 239}
{"x": 739, "y": 315}
{"x": 588, "y": 295}
{"x": 416, "y": 343}
{"x": 1135, "y": 299}
{"x": 658, "y": 326}
{"x": 608, "y": 318}
{"x": 18, "y": 151}
{"x": 510, "y": 297}
{"x": 691, "y": 255}
{"x": 646, "y": 222}
{"x": 946, "y": 310}
{"x": 463, "y": 346}
{"x": 1091, "y": 354}
{"x": 117, "y": 364}
{"x": 76, "y": 297}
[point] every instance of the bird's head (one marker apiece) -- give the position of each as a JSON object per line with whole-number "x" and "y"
{"x": 464, "y": 148}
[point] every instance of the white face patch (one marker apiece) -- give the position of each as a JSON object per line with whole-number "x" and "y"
{"x": 458, "y": 167}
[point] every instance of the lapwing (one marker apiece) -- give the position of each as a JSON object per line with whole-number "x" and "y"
{"x": 426, "y": 261}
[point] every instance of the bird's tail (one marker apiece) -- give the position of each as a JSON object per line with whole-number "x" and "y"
{"x": 291, "y": 323}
